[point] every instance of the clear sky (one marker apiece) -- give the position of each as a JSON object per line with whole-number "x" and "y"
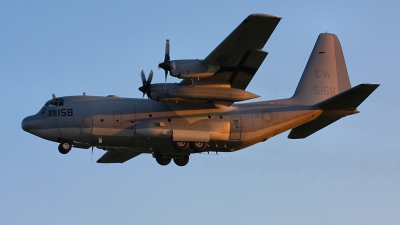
{"x": 347, "y": 173}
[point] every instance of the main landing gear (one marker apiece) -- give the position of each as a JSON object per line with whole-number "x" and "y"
{"x": 181, "y": 161}
{"x": 162, "y": 160}
{"x": 64, "y": 147}
{"x": 165, "y": 160}
{"x": 181, "y": 146}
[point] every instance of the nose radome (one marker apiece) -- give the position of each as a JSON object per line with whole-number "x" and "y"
{"x": 27, "y": 124}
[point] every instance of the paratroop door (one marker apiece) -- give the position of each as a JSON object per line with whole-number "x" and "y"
{"x": 236, "y": 128}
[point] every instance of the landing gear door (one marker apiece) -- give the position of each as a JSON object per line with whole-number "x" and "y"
{"x": 236, "y": 128}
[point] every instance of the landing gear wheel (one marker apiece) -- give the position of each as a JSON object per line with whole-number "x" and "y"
{"x": 198, "y": 146}
{"x": 180, "y": 145}
{"x": 64, "y": 147}
{"x": 181, "y": 161}
{"x": 163, "y": 161}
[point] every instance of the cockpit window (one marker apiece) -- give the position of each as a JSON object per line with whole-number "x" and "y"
{"x": 52, "y": 103}
{"x": 55, "y": 102}
{"x": 43, "y": 110}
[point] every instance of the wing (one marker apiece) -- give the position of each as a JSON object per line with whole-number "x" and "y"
{"x": 240, "y": 55}
{"x": 223, "y": 76}
{"x": 117, "y": 156}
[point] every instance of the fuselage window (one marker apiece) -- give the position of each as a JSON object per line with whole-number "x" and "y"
{"x": 52, "y": 113}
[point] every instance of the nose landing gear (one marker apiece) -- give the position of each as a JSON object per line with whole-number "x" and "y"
{"x": 64, "y": 147}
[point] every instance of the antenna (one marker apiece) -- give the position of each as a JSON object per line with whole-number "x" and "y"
{"x": 91, "y": 157}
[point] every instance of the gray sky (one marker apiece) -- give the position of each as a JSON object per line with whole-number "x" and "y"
{"x": 347, "y": 173}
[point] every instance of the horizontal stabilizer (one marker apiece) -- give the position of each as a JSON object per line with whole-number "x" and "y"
{"x": 115, "y": 156}
{"x": 311, "y": 127}
{"x": 336, "y": 107}
{"x": 349, "y": 99}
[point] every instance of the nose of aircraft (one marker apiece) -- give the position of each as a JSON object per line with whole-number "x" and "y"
{"x": 27, "y": 124}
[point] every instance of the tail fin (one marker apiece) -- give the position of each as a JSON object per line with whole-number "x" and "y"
{"x": 325, "y": 84}
{"x": 325, "y": 74}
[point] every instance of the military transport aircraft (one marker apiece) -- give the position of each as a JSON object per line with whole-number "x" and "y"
{"x": 198, "y": 114}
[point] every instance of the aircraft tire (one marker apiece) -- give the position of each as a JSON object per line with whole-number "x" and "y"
{"x": 181, "y": 161}
{"x": 64, "y": 147}
{"x": 180, "y": 145}
{"x": 163, "y": 161}
{"x": 198, "y": 146}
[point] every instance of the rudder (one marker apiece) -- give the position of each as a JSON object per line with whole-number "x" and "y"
{"x": 325, "y": 74}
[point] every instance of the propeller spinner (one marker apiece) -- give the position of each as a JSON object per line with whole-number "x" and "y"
{"x": 146, "y": 88}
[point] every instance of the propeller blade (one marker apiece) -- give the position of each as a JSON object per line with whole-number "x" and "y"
{"x": 149, "y": 79}
{"x": 143, "y": 77}
{"x": 143, "y": 87}
{"x": 166, "y": 58}
{"x": 166, "y": 65}
{"x": 146, "y": 88}
{"x": 165, "y": 83}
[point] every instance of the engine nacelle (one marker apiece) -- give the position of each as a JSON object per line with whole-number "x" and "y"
{"x": 192, "y": 68}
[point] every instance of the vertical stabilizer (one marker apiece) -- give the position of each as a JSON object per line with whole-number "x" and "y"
{"x": 325, "y": 74}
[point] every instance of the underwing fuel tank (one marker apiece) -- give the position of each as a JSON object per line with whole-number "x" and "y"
{"x": 212, "y": 94}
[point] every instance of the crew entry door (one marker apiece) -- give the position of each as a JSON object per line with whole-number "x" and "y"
{"x": 87, "y": 124}
{"x": 236, "y": 128}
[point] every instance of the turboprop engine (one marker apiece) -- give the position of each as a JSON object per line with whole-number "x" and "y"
{"x": 192, "y": 69}
{"x": 186, "y": 69}
{"x": 177, "y": 92}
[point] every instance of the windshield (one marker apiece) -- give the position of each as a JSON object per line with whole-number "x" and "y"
{"x": 52, "y": 103}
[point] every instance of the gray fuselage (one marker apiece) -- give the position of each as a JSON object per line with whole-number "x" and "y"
{"x": 150, "y": 126}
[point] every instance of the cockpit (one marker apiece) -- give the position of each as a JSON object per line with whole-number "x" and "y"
{"x": 55, "y": 102}
{"x": 52, "y": 104}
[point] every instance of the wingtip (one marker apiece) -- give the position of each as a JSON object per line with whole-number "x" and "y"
{"x": 264, "y": 15}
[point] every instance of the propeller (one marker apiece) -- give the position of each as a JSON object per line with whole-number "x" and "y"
{"x": 145, "y": 89}
{"x": 166, "y": 65}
